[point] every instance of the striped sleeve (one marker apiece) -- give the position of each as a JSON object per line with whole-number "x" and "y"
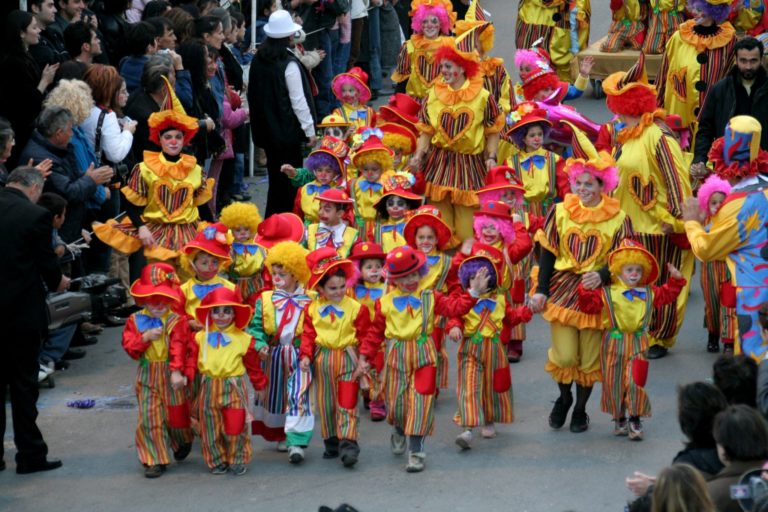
{"x": 671, "y": 175}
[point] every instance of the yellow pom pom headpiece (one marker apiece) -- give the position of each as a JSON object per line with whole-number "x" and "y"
{"x": 241, "y": 214}
{"x": 292, "y": 257}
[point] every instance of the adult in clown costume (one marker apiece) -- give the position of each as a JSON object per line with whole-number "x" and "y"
{"x": 577, "y": 236}
{"x": 163, "y": 193}
{"x": 653, "y": 184}
{"x": 697, "y": 55}
{"x": 738, "y": 233}
{"x": 562, "y": 24}
{"x": 417, "y": 70}
{"x": 459, "y": 126}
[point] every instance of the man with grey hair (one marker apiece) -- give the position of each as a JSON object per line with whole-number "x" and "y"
{"x": 51, "y": 140}
{"x": 27, "y": 262}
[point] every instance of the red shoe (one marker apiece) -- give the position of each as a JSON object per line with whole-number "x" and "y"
{"x": 378, "y": 410}
{"x": 514, "y": 351}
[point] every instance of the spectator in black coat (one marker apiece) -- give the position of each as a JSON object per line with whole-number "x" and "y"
{"x": 27, "y": 265}
{"x": 50, "y": 49}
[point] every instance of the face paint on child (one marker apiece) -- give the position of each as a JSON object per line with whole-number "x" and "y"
{"x": 544, "y": 94}
{"x": 631, "y": 274}
{"x": 283, "y": 280}
{"x": 409, "y": 283}
{"x": 371, "y": 171}
{"x": 222, "y": 316}
{"x": 329, "y": 214}
{"x": 334, "y": 289}
{"x": 588, "y": 188}
{"x": 157, "y": 308}
{"x": 324, "y": 174}
{"x": 534, "y": 138}
{"x": 715, "y": 202}
{"x": 206, "y": 266}
{"x": 172, "y": 142}
{"x": 337, "y": 132}
{"x": 396, "y": 207}
{"x": 509, "y": 197}
{"x": 452, "y": 73}
{"x": 371, "y": 270}
{"x": 489, "y": 233}
{"x": 350, "y": 94}
{"x": 242, "y": 234}
{"x": 426, "y": 239}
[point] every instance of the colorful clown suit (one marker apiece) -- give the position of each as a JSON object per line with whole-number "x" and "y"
{"x": 738, "y": 232}
{"x": 563, "y": 24}
{"x": 277, "y": 325}
{"x": 664, "y": 18}
{"x": 627, "y": 30}
{"x": 247, "y": 270}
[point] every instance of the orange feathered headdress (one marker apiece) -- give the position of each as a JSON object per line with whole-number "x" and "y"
{"x": 468, "y": 61}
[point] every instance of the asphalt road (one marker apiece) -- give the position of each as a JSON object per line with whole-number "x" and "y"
{"x": 528, "y": 467}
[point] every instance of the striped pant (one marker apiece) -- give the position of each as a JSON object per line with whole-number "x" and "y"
{"x": 269, "y": 417}
{"x": 718, "y": 319}
{"x": 299, "y": 421}
{"x": 623, "y": 36}
{"x": 332, "y": 367}
{"x": 221, "y": 404}
{"x": 410, "y": 399}
{"x": 620, "y": 392}
{"x": 661, "y": 26}
{"x": 438, "y": 334}
{"x": 154, "y": 438}
{"x": 484, "y": 388}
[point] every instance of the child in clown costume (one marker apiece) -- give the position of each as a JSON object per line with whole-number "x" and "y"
{"x": 664, "y": 18}
{"x": 401, "y": 110}
{"x": 417, "y": 69}
{"x": 734, "y": 235}
{"x": 426, "y": 231}
{"x": 697, "y": 55}
{"x": 351, "y": 89}
{"x": 369, "y": 260}
{"x": 331, "y": 230}
{"x": 459, "y": 129}
{"x": 627, "y": 30}
{"x": 562, "y": 24}
{"x": 577, "y": 236}
{"x": 405, "y": 318}
{"x": 333, "y": 325}
{"x": 719, "y": 313}
{"x": 484, "y": 387}
{"x": 653, "y": 183}
{"x": 336, "y": 126}
{"x": 162, "y": 217}
{"x": 401, "y": 141}
{"x": 222, "y": 353}
{"x": 371, "y": 160}
{"x": 247, "y": 267}
{"x": 164, "y": 420}
{"x": 393, "y": 208}
{"x": 625, "y": 307}
{"x": 285, "y": 416}
{"x": 538, "y": 79}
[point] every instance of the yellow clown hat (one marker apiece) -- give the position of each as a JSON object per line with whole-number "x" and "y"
{"x": 630, "y": 252}
{"x": 741, "y": 139}
{"x": 476, "y": 27}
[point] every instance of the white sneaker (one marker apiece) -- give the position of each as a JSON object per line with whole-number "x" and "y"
{"x": 415, "y": 462}
{"x": 44, "y": 372}
{"x": 295, "y": 454}
{"x": 397, "y": 442}
{"x": 488, "y": 431}
{"x": 464, "y": 440}
{"x": 282, "y": 446}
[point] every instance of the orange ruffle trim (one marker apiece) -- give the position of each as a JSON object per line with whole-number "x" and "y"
{"x": 422, "y": 43}
{"x": 425, "y": 128}
{"x": 646, "y": 120}
{"x": 205, "y": 195}
{"x": 133, "y": 197}
{"x": 724, "y": 36}
{"x": 554, "y": 313}
{"x": 115, "y": 238}
{"x": 588, "y": 379}
{"x": 457, "y": 196}
{"x": 607, "y": 210}
{"x": 495, "y": 128}
{"x": 561, "y": 375}
{"x": 450, "y": 96}
{"x": 178, "y": 170}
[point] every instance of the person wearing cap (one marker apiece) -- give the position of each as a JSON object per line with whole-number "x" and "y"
{"x": 697, "y": 55}
{"x": 459, "y": 134}
{"x": 333, "y": 325}
{"x": 484, "y": 388}
{"x": 577, "y": 236}
{"x": 417, "y": 70}
{"x": 280, "y": 227}
{"x": 331, "y": 230}
{"x": 392, "y": 208}
{"x": 247, "y": 267}
{"x": 222, "y": 353}
{"x": 653, "y": 184}
{"x": 733, "y": 235}
{"x": 163, "y": 193}
{"x": 562, "y": 26}
{"x": 405, "y": 318}
{"x": 426, "y": 231}
{"x": 540, "y": 170}
{"x": 285, "y": 416}
{"x": 328, "y": 169}
{"x": 401, "y": 141}
{"x": 203, "y": 259}
{"x": 371, "y": 285}
{"x": 336, "y": 126}
{"x": 281, "y": 106}
{"x": 371, "y": 160}
{"x": 351, "y": 89}
{"x": 720, "y": 318}
{"x": 625, "y": 307}
{"x": 164, "y": 416}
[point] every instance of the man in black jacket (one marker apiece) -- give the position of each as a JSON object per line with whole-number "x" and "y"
{"x": 27, "y": 262}
{"x": 50, "y": 49}
{"x": 743, "y": 92}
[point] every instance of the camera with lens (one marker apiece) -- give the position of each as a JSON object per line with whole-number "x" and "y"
{"x": 90, "y": 298}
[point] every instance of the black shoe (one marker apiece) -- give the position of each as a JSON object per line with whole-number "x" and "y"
{"x": 182, "y": 452}
{"x": 713, "y": 343}
{"x": 2, "y": 465}
{"x": 331, "y": 448}
{"x": 155, "y": 471}
{"x": 560, "y": 411}
{"x": 73, "y": 353}
{"x": 579, "y": 421}
{"x": 84, "y": 341}
{"x": 61, "y": 365}
{"x": 34, "y": 467}
{"x": 349, "y": 451}
{"x": 657, "y": 352}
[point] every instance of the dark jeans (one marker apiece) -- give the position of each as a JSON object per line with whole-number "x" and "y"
{"x": 323, "y": 74}
{"x": 18, "y": 373}
{"x": 281, "y": 193}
